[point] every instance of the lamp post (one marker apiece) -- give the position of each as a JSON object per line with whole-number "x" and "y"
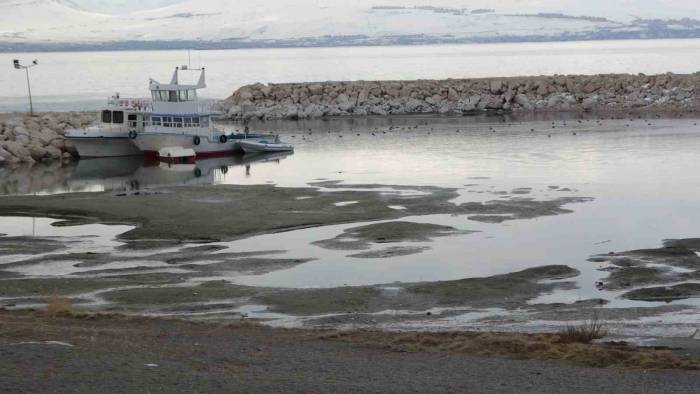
{"x": 18, "y": 66}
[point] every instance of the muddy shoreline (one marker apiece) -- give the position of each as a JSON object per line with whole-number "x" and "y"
{"x": 180, "y": 277}
{"x": 108, "y": 353}
{"x": 209, "y": 211}
{"x": 206, "y": 212}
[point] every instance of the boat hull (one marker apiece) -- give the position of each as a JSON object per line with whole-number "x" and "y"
{"x": 263, "y": 147}
{"x": 88, "y": 147}
{"x": 151, "y": 143}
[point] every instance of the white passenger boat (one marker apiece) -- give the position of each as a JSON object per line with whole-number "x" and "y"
{"x": 111, "y": 137}
{"x": 180, "y": 120}
{"x": 264, "y": 146}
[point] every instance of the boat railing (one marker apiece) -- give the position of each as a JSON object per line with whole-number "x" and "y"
{"x": 208, "y": 107}
{"x": 138, "y": 104}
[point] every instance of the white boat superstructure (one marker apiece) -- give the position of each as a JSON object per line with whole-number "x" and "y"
{"x": 120, "y": 120}
{"x": 179, "y": 119}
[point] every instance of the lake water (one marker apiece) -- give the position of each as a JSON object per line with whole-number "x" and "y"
{"x": 642, "y": 177}
{"x": 641, "y": 174}
{"x": 83, "y": 80}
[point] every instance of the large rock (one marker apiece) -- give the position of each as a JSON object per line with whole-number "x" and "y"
{"x": 7, "y": 157}
{"x": 591, "y": 86}
{"x": 36, "y": 151}
{"x": 18, "y": 151}
{"x": 496, "y": 86}
{"x": 590, "y": 103}
{"x": 53, "y": 152}
{"x": 414, "y": 106}
{"x": 345, "y": 103}
{"x": 523, "y": 101}
{"x": 47, "y": 135}
{"x": 469, "y": 104}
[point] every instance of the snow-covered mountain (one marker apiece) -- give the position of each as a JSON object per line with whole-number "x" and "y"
{"x": 251, "y": 23}
{"x": 38, "y": 20}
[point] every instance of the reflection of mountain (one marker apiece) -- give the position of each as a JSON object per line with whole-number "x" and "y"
{"x": 226, "y": 24}
{"x": 130, "y": 173}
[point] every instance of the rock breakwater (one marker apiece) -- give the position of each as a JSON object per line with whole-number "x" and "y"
{"x": 605, "y": 93}
{"x": 30, "y": 139}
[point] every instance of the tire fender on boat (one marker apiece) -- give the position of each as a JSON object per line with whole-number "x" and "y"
{"x": 197, "y": 140}
{"x": 223, "y": 139}
{"x": 132, "y": 134}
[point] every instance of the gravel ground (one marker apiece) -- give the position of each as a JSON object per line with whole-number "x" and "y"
{"x": 160, "y": 356}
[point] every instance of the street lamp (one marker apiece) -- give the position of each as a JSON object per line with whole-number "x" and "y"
{"x": 18, "y": 66}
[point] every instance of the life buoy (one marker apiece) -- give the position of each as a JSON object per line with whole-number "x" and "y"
{"x": 224, "y": 169}
{"x": 223, "y": 139}
{"x": 132, "y": 134}
{"x": 197, "y": 140}
{"x": 197, "y": 172}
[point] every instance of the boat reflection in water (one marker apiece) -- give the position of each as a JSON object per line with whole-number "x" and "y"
{"x": 133, "y": 173}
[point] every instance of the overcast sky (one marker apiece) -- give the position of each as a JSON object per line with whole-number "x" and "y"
{"x": 607, "y": 8}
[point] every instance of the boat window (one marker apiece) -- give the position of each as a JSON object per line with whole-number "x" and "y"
{"x": 160, "y": 95}
{"x": 177, "y": 122}
{"x": 167, "y": 121}
{"x": 186, "y": 95}
{"x": 106, "y": 116}
{"x": 156, "y": 120}
{"x": 192, "y": 94}
{"x": 173, "y": 96}
{"x": 133, "y": 120}
{"x": 118, "y": 117}
{"x": 195, "y": 122}
{"x": 204, "y": 121}
{"x": 188, "y": 122}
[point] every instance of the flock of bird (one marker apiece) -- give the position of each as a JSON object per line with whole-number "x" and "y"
{"x": 554, "y": 125}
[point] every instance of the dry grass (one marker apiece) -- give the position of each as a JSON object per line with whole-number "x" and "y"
{"x": 520, "y": 346}
{"x": 585, "y": 333}
{"x": 242, "y": 323}
{"x": 60, "y": 306}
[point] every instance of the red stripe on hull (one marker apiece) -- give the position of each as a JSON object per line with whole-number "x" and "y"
{"x": 153, "y": 155}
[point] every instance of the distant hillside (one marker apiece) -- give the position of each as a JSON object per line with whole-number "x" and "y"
{"x": 60, "y": 25}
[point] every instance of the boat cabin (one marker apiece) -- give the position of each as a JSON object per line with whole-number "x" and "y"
{"x": 125, "y": 114}
{"x": 176, "y": 106}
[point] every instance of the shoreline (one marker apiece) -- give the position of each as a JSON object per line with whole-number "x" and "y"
{"x": 124, "y": 353}
{"x": 99, "y": 282}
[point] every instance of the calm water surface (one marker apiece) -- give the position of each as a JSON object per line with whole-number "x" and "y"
{"x": 643, "y": 179}
{"x": 83, "y": 80}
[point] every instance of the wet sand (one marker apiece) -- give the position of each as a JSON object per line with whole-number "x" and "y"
{"x": 184, "y": 279}
{"x": 218, "y": 213}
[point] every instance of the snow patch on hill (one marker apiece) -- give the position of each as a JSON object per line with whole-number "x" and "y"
{"x": 47, "y": 21}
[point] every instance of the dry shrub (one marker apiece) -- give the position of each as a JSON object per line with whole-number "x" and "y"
{"x": 518, "y": 346}
{"x": 586, "y": 333}
{"x": 243, "y": 323}
{"x": 60, "y": 306}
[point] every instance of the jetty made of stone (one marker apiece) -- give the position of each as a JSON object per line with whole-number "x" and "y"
{"x": 29, "y": 139}
{"x": 608, "y": 93}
